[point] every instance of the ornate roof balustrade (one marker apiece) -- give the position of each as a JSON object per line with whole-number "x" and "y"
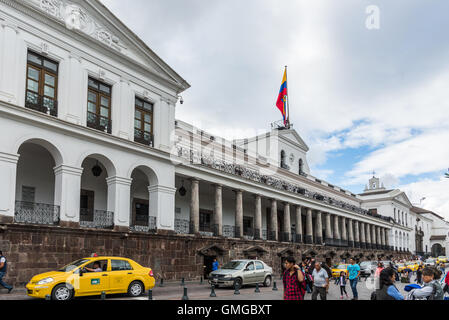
{"x": 195, "y": 157}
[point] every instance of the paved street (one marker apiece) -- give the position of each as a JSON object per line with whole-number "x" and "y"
{"x": 195, "y": 291}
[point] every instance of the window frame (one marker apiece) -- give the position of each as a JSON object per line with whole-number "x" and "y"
{"x": 41, "y": 83}
{"x": 97, "y": 103}
{"x": 142, "y": 121}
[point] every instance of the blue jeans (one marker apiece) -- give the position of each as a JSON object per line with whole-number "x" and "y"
{"x": 353, "y": 283}
{"x": 2, "y": 274}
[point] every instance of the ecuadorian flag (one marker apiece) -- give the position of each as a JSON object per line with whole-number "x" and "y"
{"x": 282, "y": 99}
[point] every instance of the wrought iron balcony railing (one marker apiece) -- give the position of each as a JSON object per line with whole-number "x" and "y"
{"x": 96, "y": 219}
{"x": 143, "y": 137}
{"x": 149, "y": 227}
{"x": 36, "y": 213}
{"x": 42, "y": 104}
{"x": 182, "y": 226}
{"x": 98, "y": 122}
{"x": 228, "y": 231}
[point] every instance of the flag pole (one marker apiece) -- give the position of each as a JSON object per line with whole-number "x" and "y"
{"x": 288, "y": 100}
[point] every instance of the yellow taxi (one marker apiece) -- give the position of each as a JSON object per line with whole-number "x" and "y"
{"x": 442, "y": 259}
{"x": 412, "y": 265}
{"x": 401, "y": 267}
{"x": 92, "y": 276}
{"x": 341, "y": 267}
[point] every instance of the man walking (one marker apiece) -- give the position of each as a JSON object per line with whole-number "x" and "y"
{"x": 293, "y": 280}
{"x": 3, "y": 268}
{"x": 320, "y": 282}
{"x": 354, "y": 274}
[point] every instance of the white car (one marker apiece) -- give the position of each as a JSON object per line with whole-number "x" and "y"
{"x": 430, "y": 262}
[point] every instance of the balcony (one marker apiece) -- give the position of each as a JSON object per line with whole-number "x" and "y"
{"x": 42, "y": 104}
{"x": 98, "y": 122}
{"x": 143, "y": 137}
{"x": 36, "y": 213}
{"x": 96, "y": 219}
{"x": 147, "y": 226}
{"x": 182, "y": 226}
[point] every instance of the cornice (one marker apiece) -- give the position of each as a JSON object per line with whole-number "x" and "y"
{"x": 58, "y": 26}
{"x": 78, "y": 131}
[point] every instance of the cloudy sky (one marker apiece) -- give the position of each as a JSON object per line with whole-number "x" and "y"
{"x": 363, "y": 99}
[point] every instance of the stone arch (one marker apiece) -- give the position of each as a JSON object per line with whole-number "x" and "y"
{"x": 437, "y": 250}
{"x": 55, "y": 151}
{"x": 254, "y": 252}
{"x": 150, "y": 173}
{"x": 105, "y": 161}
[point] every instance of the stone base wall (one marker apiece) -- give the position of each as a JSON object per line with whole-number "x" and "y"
{"x": 36, "y": 249}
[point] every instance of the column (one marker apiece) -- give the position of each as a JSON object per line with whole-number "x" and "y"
{"x": 356, "y": 234}
{"x": 387, "y": 239}
{"x": 67, "y": 194}
{"x": 119, "y": 195}
{"x": 337, "y": 239}
{"x": 8, "y": 66}
{"x": 8, "y": 170}
{"x": 195, "y": 207}
{"x": 362, "y": 236}
{"x": 287, "y": 225}
{"x": 162, "y": 206}
{"x": 309, "y": 227}
{"x": 273, "y": 234}
{"x": 382, "y": 238}
{"x": 319, "y": 229}
{"x": 298, "y": 225}
{"x": 218, "y": 214}
{"x": 258, "y": 217}
{"x": 351, "y": 234}
{"x": 344, "y": 236}
{"x": 378, "y": 238}
{"x": 368, "y": 235}
{"x": 238, "y": 214}
{"x": 329, "y": 239}
{"x": 373, "y": 237}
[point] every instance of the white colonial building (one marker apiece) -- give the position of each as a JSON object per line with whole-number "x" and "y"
{"x": 89, "y": 139}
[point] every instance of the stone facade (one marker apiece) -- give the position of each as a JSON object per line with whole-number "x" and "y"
{"x": 36, "y": 249}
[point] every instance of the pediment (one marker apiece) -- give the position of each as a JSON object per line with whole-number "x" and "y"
{"x": 91, "y": 18}
{"x": 293, "y": 137}
{"x": 402, "y": 197}
{"x": 212, "y": 250}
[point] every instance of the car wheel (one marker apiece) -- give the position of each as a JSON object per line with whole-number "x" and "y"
{"x": 238, "y": 282}
{"x": 267, "y": 281}
{"x": 62, "y": 292}
{"x": 135, "y": 289}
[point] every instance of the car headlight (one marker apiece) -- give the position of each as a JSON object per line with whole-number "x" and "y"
{"x": 45, "y": 281}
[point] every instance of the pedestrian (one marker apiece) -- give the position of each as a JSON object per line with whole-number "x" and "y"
{"x": 342, "y": 282}
{"x": 293, "y": 280}
{"x": 3, "y": 270}
{"x": 443, "y": 268}
{"x": 215, "y": 265}
{"x": 309, "y": 279}
{"x": 380, "y": 267}
{"x": 320, "y": 282}
{"x": 432, "y": 289}
{"x": 419, "y": 275}
{"x": 354, "y": 274}
{"x": 387, "y": 290}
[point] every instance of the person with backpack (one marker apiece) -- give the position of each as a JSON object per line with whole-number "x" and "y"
{"x": 387, "y": 290}
{"x": 432, "y": 289}
{"x": 293, "y": 280}
{"x": 3, "y": 269}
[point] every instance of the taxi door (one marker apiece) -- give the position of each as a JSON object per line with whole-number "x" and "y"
{"x": 121, "y": 275}
{"x": 92, "y": 283}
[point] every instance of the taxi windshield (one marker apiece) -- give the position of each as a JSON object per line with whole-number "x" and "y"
{"x": 341, "y": 266}
{"x": 234, "y": 265}
{"x": 73, "y": 265}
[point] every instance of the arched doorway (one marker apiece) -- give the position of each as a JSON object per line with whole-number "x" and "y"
{"x": 95, "y": 209}
{"x": 437, "y": 250}
{"x": 35, "y": 183}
